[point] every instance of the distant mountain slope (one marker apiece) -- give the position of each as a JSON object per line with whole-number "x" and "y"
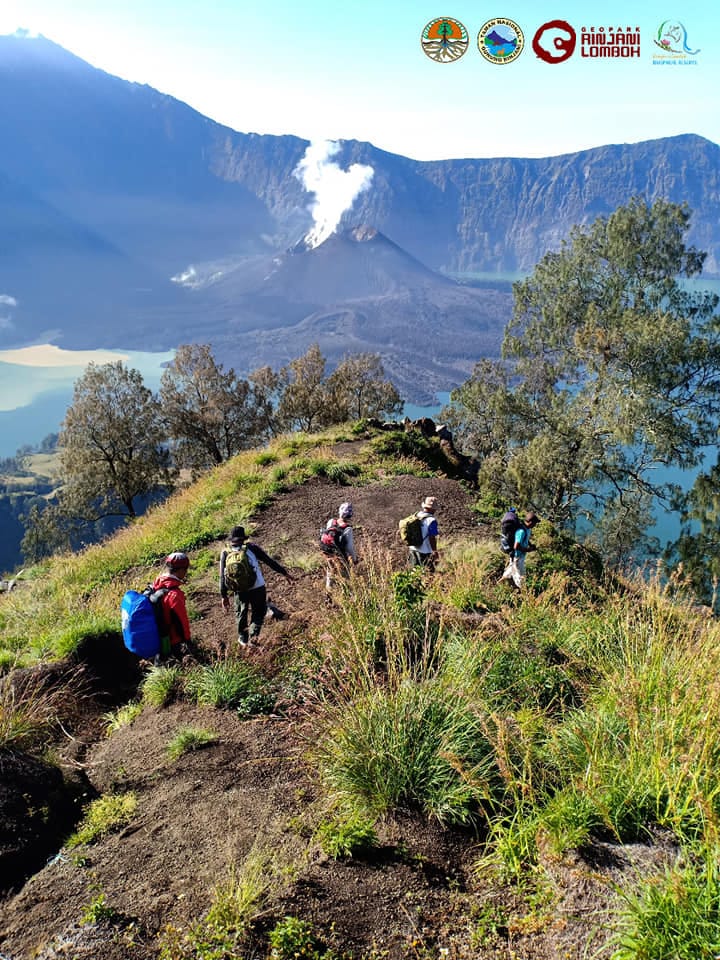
{"x": 109, "y": 188}
{"x": 358, "y": 291}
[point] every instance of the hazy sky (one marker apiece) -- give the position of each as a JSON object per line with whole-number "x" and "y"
{"x": 356, "y": 70}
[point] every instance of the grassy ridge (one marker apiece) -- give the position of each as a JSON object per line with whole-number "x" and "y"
{"x": 76, "y": 595}
{"x": 575, "y": 713}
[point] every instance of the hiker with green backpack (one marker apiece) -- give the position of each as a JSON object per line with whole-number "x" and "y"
{"x": 419, "y": 532}
{"x": 242, "y": 576}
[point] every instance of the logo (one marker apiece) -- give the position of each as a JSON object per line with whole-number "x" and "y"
{"x": 611, "y": 43}
{"x": 444, "y": 40}
{"x": 554, "y": 41}
{"x": 672, "y": 40}
{"x": 500, "y": 40}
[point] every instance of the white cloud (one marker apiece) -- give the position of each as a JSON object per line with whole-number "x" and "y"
{"x": 7, "y": 300}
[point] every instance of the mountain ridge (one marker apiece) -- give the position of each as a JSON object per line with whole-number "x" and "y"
{"x": 154, "y": 186}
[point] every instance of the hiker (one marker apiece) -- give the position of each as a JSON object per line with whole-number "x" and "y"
{"x": 241, "y": 575}
{"x": 509, "y": 525}
{"x": 515, "y": 570}
{"x": 425, "y": 553}
{"x": 172, "y": 617}
{"x": 338, "y": 543}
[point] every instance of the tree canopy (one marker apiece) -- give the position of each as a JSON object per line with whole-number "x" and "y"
{"x": 210, "y": 414}
{"x": 111, "y": 444}
{"x": 610, "y": 369}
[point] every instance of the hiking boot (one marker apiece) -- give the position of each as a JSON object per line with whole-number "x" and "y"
{"x": 243, "y": 640}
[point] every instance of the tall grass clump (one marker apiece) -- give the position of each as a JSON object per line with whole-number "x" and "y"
{"x": 225, "y": 684}
{"x": 415, "y": 745}
{"x": 380, "y": 621}
{"x": 162, "y": 685}
{"x": 28, "y": 710}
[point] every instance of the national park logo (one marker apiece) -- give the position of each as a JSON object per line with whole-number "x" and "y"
{"x": 444, "y": 40}
{"x": 500, "y": 40}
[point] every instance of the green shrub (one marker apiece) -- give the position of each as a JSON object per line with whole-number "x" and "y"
{"x": 105, "y": 815}
{"x": 188, "y": 739}
{"x": 347, "y": 836}
{"x": 293, "y": 938}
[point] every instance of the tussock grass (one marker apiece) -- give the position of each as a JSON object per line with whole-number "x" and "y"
{"x": 188, "y": 739}
{"x": 162, "y": 685}
{"x": 224, "y": 684}
{"x": 105, "y": 815}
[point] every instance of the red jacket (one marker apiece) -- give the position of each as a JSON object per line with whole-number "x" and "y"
{"x": 174, "y": 611}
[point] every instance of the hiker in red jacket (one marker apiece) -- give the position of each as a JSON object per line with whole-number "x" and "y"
{"x": 175, "y": 626}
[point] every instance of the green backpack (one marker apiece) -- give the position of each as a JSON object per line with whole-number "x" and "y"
{"x": 410, "y": 529}
{"x": 240, "y": 574}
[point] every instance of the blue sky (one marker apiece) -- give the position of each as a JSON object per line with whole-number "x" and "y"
{"x": 356, "y": 71}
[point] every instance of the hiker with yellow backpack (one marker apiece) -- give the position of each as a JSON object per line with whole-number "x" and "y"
{"x": 242, "y": 576}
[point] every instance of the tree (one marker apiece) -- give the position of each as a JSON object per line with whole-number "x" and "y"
{"x": 304, "y": 397}
{"x": 210, "y": 414}
{"x": 610, "y": 370}
{"x": 358, "y": 388}
{"x": 697, "y": 549}
{"x": 112, "y": 449}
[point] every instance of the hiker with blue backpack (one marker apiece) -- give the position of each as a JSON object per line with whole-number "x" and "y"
{"x": 242, "y": 576}
{"x": 155, "y": 623}
{"x": 515, "y": 569}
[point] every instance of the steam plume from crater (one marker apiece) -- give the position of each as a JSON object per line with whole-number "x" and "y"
{"x": 335, "y": 189}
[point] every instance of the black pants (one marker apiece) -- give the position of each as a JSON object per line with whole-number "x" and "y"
{"x": 417, "y": 559}
{"x": 250, "y": 605}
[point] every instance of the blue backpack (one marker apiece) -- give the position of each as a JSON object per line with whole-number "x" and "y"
{"x": 140, "y": 617}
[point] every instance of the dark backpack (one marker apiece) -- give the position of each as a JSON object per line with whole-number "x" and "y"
{"x": 240, "y": 573}
{"x": 142, "y": 621}
{"x": 509, "y": 525}
{"x": 411, "y": 531}
{"x": 332, "y": 539}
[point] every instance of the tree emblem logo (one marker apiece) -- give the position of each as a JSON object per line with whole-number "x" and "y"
{"x": 444, "y": 40}
{"x": 500, "y": 40}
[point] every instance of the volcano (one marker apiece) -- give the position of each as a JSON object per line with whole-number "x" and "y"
{"x": 358, "y": 291}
